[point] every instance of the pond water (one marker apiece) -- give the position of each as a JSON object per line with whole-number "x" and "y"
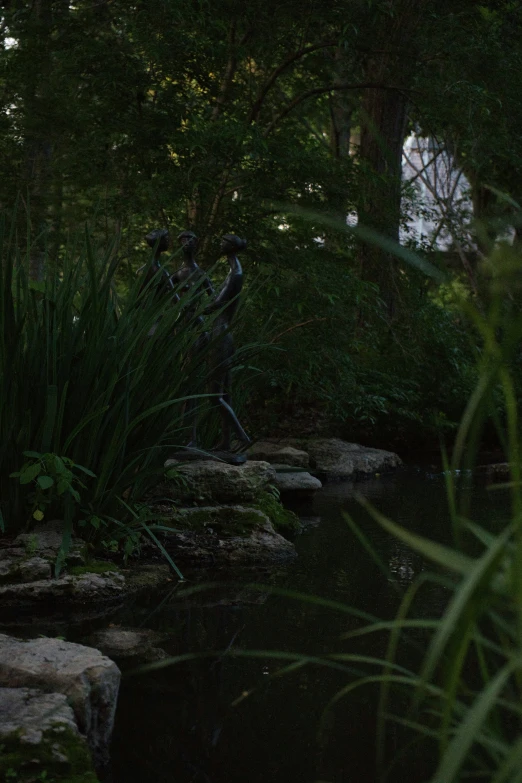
{"x": 192, "y": 723}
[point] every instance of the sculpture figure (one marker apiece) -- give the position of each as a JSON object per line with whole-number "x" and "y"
{"x": 159, "y": 241}
{"x": 190, "y": 274}
{"x": 222, "y": 343}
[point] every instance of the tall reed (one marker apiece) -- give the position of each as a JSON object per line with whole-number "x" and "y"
{"x": 81, "y": 378}
{"x": 465, "y": 699}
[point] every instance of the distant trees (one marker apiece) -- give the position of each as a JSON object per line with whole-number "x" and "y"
{"x": 217, "y": 118}
{"x": 174, "y": 112}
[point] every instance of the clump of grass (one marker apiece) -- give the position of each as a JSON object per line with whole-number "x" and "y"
{"x": 82, "y": 382}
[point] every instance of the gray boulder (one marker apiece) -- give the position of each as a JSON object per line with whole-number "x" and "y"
{"x": 218, "y": 535}
{"x": 18, "y": 568}
{"x": 128, "y": 645}
{"x": 217, "y": 482}
{"x": 83, "y": 588}
{"x": 30, "y": 712}
{"x": 273, "y": 452}
{"x": 45, "y": 541}
{"x": 298, "y": 483}
{"x": 88, "y": 679}
{"x": 39, "y": 736}
{"x": 336, "y": 459}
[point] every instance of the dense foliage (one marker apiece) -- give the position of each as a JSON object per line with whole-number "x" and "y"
{"x": 90, "y": 404}
{"x": 225, "y": 118}
{"x": 282, "y": 122}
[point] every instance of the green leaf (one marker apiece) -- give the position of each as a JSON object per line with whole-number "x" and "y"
{"x": 62, "y": 485}
{"x": 45, "y": 482}
{"x": 459, "y": 614}
{"x": 469, "y": 728}
{"x": 32, "y": 454}
{"x": 443, "y": 555}
{"x": 85, "y": 470}
{"x": 59, "y": 465}
{"x": 30, "y": 473}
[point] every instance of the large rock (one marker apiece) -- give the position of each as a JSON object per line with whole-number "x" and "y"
{"x": 129, "y": 646}
{"x": 335, "y": 459}
{"x": 88, "y": 679}
{"x": 69, "y": 589}
{"x": 39, "y": 737}
{"x": 218, "y": 535}
{"x": 16, "y": 567}
{"x": 45, "y": 541}
{"x": 275, "y": 453}
{"x": 217, "y": 482}
{"x": 297, "y": 483}
{"x": 30, "y": 712}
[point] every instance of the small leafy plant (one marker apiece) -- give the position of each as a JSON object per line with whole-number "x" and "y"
{"x": 51, "y": 478}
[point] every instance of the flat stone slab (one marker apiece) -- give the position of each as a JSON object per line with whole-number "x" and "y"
{"x": 299, "y": 483}
{"x": 88, "y": 679}
{"x": 494, "y": 469}
{"x": 337, "y": 460}
{"x": 131, "y": 645}
{"x": 17, "y": 568}
{"x": 218, "y": 535}
{"x": 269, "y": 451}
{"x": 217, "y": 482}
{"x": 84, "y": 588}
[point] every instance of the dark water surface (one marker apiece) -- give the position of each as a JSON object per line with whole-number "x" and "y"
{"x": 182, "y": 724}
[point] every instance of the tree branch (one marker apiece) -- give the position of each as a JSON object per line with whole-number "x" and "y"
{"x": 229, "y": 73}
{"x": 321, "y": 91}
{"x": 256, "y": 108}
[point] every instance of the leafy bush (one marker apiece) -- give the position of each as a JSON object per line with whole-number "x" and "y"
{"x": 330, "y": 347}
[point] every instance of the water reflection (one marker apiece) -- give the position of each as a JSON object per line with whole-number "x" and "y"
{"x": 193, "y": 723}
{"x": 403, "y": 564}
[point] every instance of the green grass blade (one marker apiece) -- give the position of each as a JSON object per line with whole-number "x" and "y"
{"x": 470, "y": 727}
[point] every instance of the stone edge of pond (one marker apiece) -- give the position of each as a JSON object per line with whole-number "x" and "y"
{"x": 57, "y": 709}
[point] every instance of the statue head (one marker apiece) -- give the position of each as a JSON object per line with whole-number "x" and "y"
{"x": 188, "y": 241}
{"x": 231, "y": 243}
{"x": 160, "y": 236}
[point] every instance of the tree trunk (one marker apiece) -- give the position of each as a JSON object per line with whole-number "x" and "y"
{"x": 382, "y": 139}
{"x": 341, "y": 118}
{"x": 383, "y": 127}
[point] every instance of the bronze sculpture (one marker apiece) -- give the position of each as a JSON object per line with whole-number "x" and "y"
{"x": 220, "y": 341}
{"x": 190, "y": 273}
{"x": 188, "y": 276}
{"x": 159, "y": 241}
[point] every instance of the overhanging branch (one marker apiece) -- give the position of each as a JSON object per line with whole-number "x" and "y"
{"x": 323, "y": 90}
{"x": 256, "y": 108}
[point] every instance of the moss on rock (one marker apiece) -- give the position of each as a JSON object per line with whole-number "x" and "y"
{"x": 224, "y": 521}
{"x": 142, "y": 578}
{"x": 62, "y": 756}
{"x": 284, "y": 521}
{"x": 94, "y": 567}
